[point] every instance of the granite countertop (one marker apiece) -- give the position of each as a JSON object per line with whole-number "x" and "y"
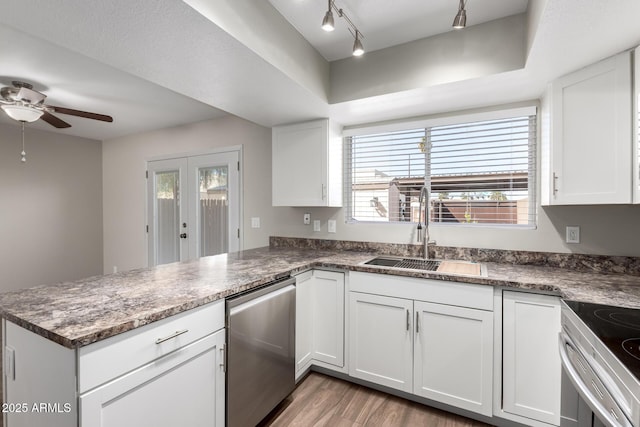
{"x": 75, "y": 314}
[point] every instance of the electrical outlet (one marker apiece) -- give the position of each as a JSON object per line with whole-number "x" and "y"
{"x": 316, "y": 225}
{"x": 331, "y": 226}
{"x": 306, "y": 219}
{"x": 573, "y": 234}
{"x": 255, "y": 222}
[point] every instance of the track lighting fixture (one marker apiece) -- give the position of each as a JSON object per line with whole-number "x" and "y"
{"x": 460, "y": 21}
{"x": 327, "y": 22}
{"x": 328, "y": 25}
{"x": 358, "y": 49}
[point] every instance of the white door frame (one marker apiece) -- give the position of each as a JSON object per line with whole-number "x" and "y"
{"x": 229, "y": 149}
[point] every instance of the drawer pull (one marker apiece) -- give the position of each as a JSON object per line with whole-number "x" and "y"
{"x": 172, "y": 336}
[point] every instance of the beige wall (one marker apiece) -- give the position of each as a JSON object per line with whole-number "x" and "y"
{"x": 124, "y": 165}
{"x": 606, "y": 230}
{"x": 50, "y": 208}
{"x": 480, "y": 50}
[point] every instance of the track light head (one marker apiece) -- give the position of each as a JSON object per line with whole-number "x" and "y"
{"x": 460, "y": 21}
{"x": 358, "y": 49}
{"x": 327, "y": 21}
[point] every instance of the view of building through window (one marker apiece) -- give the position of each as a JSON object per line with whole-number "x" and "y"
{"x": 478, "y": 173}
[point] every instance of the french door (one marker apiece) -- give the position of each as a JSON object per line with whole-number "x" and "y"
{"x": 193, "y": 207}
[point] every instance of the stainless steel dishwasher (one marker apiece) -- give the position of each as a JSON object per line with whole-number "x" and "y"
{"x": 260, "y": 351}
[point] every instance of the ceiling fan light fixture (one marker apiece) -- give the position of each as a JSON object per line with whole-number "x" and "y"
{"x": 22, "y": 113}
{"x": 460, "y": 21}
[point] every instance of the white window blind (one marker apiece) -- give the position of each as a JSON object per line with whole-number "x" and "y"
{"x": 481, "y": 172}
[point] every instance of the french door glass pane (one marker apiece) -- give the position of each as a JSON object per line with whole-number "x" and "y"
{"x": 213, "y": 203}
{"x": 167, "y": 199}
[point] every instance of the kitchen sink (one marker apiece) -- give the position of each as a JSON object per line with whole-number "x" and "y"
{"x": 412, "y": 263}
{"x": 467, "y": 268}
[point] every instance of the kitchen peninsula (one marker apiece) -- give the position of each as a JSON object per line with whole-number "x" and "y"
{"x": 87, "y": 314}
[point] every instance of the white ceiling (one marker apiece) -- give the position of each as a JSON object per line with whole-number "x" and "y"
{"x": 386, "y": 23}
{"x": 75, "y": 81}
{"x": 155, "y": 64}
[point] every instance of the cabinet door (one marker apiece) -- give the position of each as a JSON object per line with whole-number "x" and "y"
{"x": 304, "y": 321}
{"x": 299, "y": 162}
{"x": 453, "y": 361}
{"x": 591, "y": 136}
{"x": 182, "y": 388}
{"x": 531, "y": 369}
{"x": 381, "y": 335}
{"x": 328, "y": 317}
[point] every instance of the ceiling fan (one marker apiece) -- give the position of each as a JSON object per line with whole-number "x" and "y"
{"x": 24, "y": 104}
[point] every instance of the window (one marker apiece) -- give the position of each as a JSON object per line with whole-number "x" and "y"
{"x": 478, "y": 171}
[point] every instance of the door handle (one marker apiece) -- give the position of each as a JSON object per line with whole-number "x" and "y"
{"x": 183, "y": 235}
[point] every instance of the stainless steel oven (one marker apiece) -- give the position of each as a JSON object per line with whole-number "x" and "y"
{"x": 600, "y": 352}
{"x": 260, "y": 351}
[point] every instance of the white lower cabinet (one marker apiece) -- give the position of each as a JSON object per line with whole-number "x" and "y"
{"x": 381, "y": 340}
{"x": 167, "y": 373}
{"x": 453, "y": 360}
{"x": 431, "y": 349}
{"x": 319, "y": 320}
{"x": 185, "y": 388}
{"x": 304, "y": 321}
{"x": 531, "y": 367}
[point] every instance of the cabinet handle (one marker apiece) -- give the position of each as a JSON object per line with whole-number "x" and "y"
{"x": 555, "y": 181}
{"x": 407, "y": 320}
{"x": 223, "y": 364}
{"x": 324, "y": 192}
{"x": 172, "y": 336}
{"x": 417, "y": 323}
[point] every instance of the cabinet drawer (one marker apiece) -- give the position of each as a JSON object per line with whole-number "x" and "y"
{"x": 112, "y": 357}
{"x": 428, "y": 290}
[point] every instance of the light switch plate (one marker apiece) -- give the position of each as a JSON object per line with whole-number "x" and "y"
{"x": 573, "y": 234}
{"x": 331, "y": 226}
{"x": 316, "y": 225}
{"x": 255, "y": 222}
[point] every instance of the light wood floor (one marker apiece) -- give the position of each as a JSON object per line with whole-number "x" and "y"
{"x": 321, "y": 400}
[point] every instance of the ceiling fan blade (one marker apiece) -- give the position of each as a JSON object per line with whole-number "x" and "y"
{"x": 54, "y": 121}
{"x": 84, "y": 114}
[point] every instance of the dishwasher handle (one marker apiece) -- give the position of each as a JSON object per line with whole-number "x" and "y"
{"x": 246, "y": 305}
{"x": 265, "y": 289}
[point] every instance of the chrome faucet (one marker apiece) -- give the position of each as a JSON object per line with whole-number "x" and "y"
{"x": 424, "y": 197}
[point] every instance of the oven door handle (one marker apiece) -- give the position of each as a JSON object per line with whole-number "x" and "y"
{"x": 583, "y": 389}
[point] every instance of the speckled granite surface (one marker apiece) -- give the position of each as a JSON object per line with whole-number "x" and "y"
{"x": 78, "y": 313}
{"x": 579, "y": 262}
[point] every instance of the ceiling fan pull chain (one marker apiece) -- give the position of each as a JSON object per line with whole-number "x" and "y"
{"x": 23, "y": 154}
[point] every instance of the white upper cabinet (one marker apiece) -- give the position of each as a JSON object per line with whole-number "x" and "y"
{"x": 591, "y": 135}
{"x": 307, "y": 164}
